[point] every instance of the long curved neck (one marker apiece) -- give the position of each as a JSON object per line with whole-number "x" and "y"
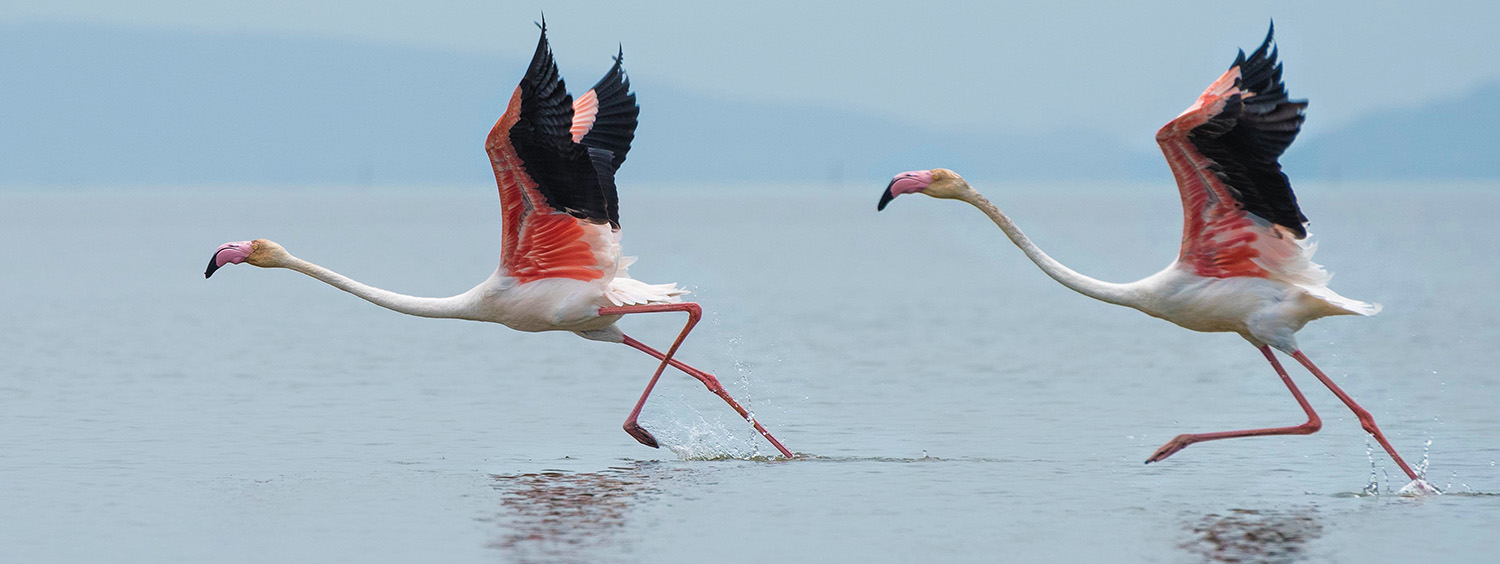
{"x": 1118, "y": 294}
{"x": 453, "y": 307}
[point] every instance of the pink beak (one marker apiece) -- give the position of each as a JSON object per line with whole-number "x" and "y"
{"x": 228, "y": 253}
{"x": 905, "y": 183}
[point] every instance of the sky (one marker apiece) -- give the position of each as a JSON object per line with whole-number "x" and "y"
{"x": 1121, "y": 68}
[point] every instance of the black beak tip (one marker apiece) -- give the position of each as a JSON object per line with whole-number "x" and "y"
{"x": 887, "y": 196}
{"x": 213, "y": 264}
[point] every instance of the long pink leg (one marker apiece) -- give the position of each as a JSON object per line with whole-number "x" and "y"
{"x": 695, "y": 312}
{"x": 1311, "y": 426}
{"x": 1365, "y": 419}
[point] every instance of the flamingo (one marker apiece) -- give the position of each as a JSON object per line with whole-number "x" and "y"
{"x": 1245, "y": 265}
{"x": 561, "y": 268}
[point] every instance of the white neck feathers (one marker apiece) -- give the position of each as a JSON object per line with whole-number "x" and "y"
{"x": 1118, "y": 294}
{"x": 454, "y": 307}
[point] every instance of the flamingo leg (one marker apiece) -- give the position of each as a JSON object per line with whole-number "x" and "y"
{"x": 1365, "y": 419}
{"x": 1311, "y": 426}
{"x": 695, "y": 313}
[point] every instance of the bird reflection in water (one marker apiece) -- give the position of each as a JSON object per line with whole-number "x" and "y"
{"x": 1247, "y": 535}
{"x": 556, "y": 516}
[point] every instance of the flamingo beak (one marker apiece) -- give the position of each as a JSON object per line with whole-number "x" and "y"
{"x": 905, "y": 183}
{"x": 228, "y": 253}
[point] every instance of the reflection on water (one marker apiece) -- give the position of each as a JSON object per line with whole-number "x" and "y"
{"x": 1247, "y": 535}
{"x": 556, "y": 516}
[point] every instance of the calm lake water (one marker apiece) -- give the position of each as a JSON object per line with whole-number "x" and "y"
{"x": 951, "y": 402}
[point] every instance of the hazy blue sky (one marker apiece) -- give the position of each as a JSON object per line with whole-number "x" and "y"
{"x": 1118, "y": 67}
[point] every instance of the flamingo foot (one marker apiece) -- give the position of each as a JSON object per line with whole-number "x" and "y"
{"x": 1177, "y": 443}
{"x": 641, "y": 434}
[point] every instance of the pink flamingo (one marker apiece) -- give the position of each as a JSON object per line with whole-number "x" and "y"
{"x": 1245, "y": 265}
{"x": 561, "y": 268}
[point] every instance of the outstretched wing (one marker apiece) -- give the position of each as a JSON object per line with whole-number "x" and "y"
{"x": 557, "y": 216}
{"x": 604, "y": 120}
{"x": 1240, "y": 217}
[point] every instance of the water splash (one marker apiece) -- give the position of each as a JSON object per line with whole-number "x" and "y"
{"x": 1421, "y": 468}
{"x": 692, "y": 436}
{"x": 1372, "y": 488}
{"x": 1418, "y": 488}
{"x": 703, "y": 439}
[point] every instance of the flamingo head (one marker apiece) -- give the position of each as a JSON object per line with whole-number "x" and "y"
{"x": 260, "y": 252}
{"x": 938, "y": 183}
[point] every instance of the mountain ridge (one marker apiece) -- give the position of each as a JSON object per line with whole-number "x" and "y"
{"x": 93, "y": 104}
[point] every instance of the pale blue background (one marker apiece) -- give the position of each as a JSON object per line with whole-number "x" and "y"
{"x": 392, "y": 93}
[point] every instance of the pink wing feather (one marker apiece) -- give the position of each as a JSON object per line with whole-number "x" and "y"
{"x": 1240, "y": 217}
{"x": 584, "y": 110}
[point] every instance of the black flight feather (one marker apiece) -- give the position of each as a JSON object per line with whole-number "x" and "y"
{"x": 1250, "y": 134}
{"x": 613, "y": 129}
{"x": 563, "y": 170}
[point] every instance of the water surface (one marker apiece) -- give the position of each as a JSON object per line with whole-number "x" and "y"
{"x": 952, "y": 403}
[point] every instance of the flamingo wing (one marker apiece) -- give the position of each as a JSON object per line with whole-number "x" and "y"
{"x": 558, "y": 218}
{"x": 604, "y": 120}
{"x": 1240, "y": 217}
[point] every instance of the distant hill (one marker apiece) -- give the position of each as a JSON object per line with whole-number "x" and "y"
{"x": 1450, "y": 139}
{"x": 84, "y": 105}
{"x": 99, "y": 105}
{"x": 104, "y": 105}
